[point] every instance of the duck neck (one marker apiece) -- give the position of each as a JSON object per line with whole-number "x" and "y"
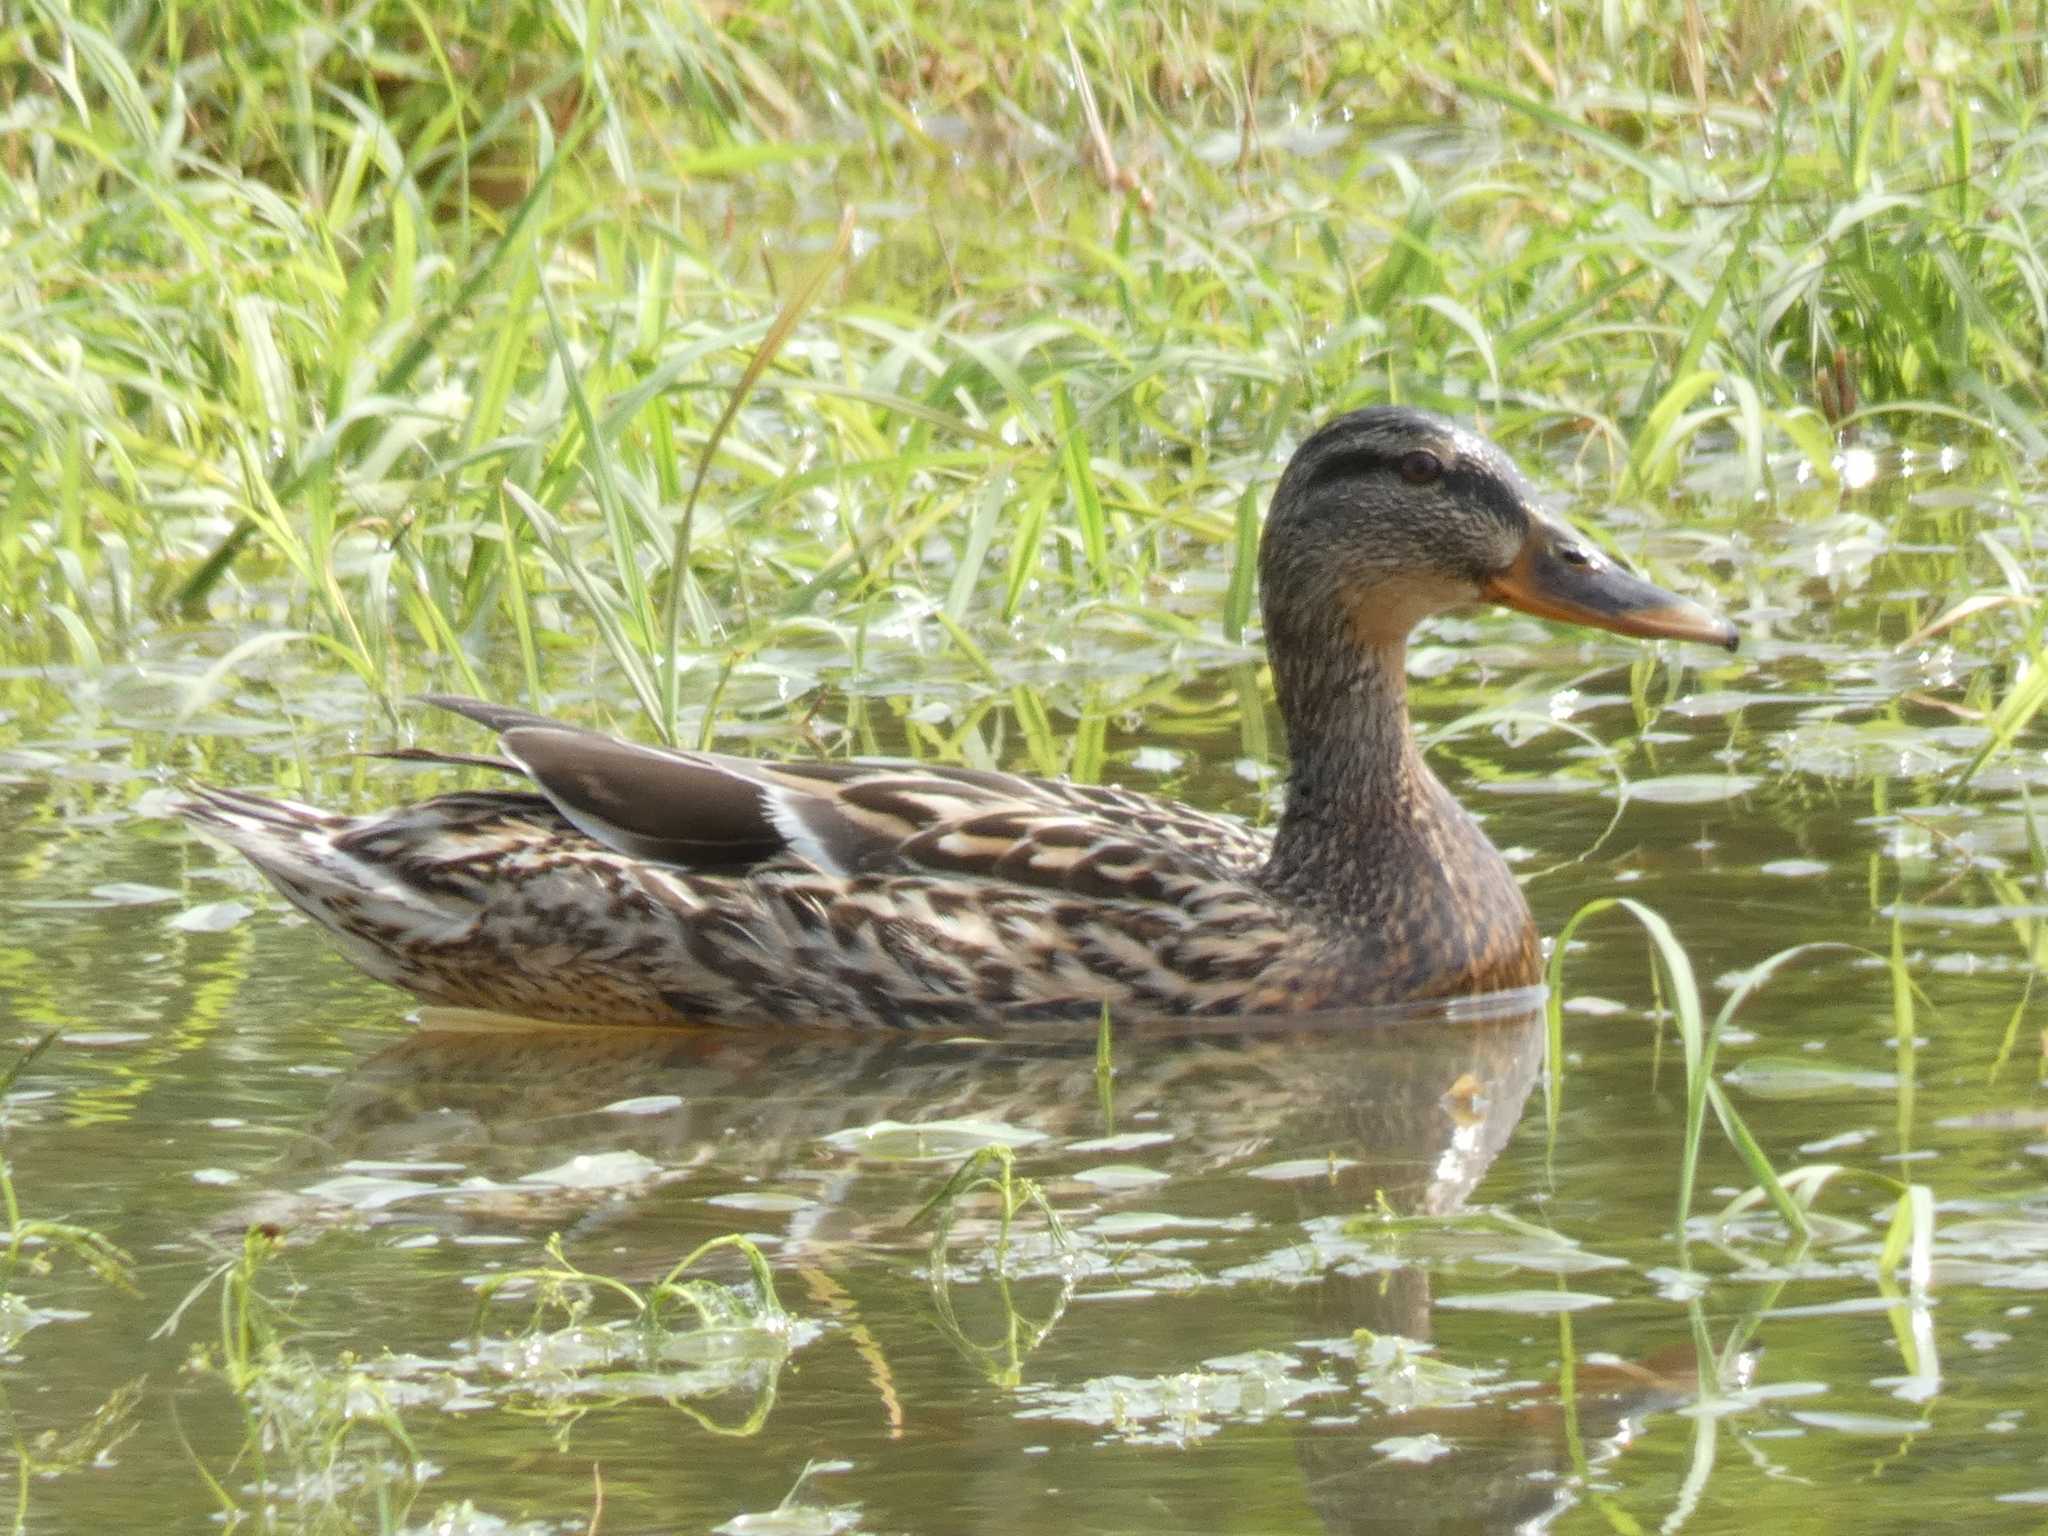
{"x": 1359, "y": 793}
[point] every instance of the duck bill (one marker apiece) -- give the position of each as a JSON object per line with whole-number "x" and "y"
{"x": 1592, "y": 589}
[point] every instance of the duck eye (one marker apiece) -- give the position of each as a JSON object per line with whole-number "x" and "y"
{"x": 1421, "y": 468}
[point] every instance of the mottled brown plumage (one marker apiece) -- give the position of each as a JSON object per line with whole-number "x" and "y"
{"x": 647, "y": 885}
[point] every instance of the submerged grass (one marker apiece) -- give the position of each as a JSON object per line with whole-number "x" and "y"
{"x": 731, "y": 1344}
{"x": 1698, "y": 1039}
{"x": 416, "y": 334}
{"x": 991, "y": 1172}
{"x": 559, "y": 1287}
{"x": 1790, "y": 1193}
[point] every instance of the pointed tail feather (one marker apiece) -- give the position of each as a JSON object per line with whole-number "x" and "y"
{"x": 247, "y": 822}
{"x": 305, "y": 854}
{"x": 492, "y": 717}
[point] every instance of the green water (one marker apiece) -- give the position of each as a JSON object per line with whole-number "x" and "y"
{"x": 1211, "y": 1341}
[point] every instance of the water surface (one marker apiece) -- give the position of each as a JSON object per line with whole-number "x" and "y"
{"x": 1322, "y": 1279}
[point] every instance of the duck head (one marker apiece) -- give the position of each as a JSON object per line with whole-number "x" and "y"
{"x": 1388, "y": 515}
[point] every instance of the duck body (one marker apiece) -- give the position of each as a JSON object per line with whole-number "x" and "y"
{"x": 888, "y": 894}
{"x": 648, "y": 885}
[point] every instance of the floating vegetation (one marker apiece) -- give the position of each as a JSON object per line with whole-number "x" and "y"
{"x": 1497, "y": 1239}
{"x": 991, "y": 1172}
{"x": 937, "y": 1141}
{"x": 327, "y": 1443}
{"x": 796, "y": 1516}
{"x": 1405, "y": 1374}
{"x": 1189, "y": 1406}
{"x": 728, "y": 1345}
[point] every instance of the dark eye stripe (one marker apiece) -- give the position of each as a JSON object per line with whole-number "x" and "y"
{"x": 1490, "y": 491}
{"x": 1351, "y": 464}
{"x": 1462, "y": 479}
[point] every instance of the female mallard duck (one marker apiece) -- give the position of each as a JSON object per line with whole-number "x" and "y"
{"x": 645, "y": 885}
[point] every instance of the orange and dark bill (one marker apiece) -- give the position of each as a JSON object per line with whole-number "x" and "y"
{"x": 1559, "y": 575}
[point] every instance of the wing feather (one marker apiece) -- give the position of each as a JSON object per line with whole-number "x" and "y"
{"x": 700, "y": 810}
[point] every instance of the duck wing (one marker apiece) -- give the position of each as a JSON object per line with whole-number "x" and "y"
{"x": 705, "y": 810}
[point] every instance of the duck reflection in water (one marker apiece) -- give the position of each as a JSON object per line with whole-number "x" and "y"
{"x": 1209, "y": 1167}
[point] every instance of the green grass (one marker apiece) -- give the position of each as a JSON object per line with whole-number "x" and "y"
{"x": 989, "y": 1174}
{"x": 412, "y": 334}
{"x": 1789, "y": 1193}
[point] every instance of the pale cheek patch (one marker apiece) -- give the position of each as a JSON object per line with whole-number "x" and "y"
{"x": 1382, "y": 615}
